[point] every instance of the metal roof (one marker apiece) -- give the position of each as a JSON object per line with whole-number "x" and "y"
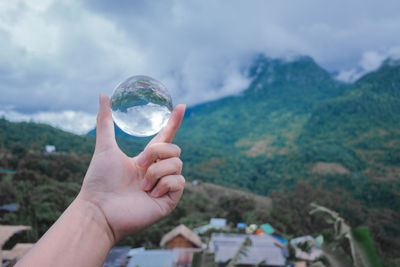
{"x": 263, "y": 248}
{"x": 117, "y": 256}
{"x": 218, "y": 222}
{"x": 181, "y": 257}
{"x": 153, "y": 258}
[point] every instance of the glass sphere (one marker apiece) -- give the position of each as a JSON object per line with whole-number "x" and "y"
{"x": 141, "y": 106}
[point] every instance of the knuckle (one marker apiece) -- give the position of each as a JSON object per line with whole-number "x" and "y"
{"x": 181, "y": 180}
{"x": 177, "y": 149}
{"x": 163, "y": 183}
{"x": 179, "y": 164}
{"x": 150, "y": 150}
{"x": 151, "y": 172}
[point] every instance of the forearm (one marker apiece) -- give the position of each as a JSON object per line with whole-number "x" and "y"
{"x": 80, "y": 237}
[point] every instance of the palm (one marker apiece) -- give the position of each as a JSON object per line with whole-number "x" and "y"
{"x": 117, "y": 186}
{"x": 113, "y": 181}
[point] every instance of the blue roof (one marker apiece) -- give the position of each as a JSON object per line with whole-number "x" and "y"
{"x": 218, "y": 222}
{"x": 280, "y": 239}
{"x": 241, "y": 225}
{"x": 267, "y": 228}
{"x": 10, "y": 207}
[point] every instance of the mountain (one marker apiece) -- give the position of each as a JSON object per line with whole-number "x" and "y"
{"x": 295, "y": 134}
{"x": 296, "y": 122}
{"x": 281, "y": 96}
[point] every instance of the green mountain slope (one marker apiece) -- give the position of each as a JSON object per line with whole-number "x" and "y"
{"x": 281, "y": 96}
{"x": 29, "y": 135}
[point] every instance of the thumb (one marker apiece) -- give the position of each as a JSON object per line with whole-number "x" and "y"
{"x": 105, "y": 136}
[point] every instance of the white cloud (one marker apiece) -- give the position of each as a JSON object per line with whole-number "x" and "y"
{"x": 370, "y": 61}
{"x": 350, "y": 75}
{"x": 68, "y": 120}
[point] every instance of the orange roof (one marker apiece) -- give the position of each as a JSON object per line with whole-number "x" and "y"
{"x": 183, "y": 231}
{"x": 259, "y": 231}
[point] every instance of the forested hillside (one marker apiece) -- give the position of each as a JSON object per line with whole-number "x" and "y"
{"x": 296, "y": 123}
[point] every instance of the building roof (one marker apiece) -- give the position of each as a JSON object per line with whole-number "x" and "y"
{"x": 202, "y": 229}
{"x": 263, "y": 249}
{"x": 152, "y": 258}
{"x": 17, "y": 252}
{"x": 7, "y": 231}
{"x": 218, "y": 222}
{"x": 183, "y": 231}
{"x": 280, "y": 240}
{"x": 10, "y": 207}
{"x": 267, "y": 228}
{"x": 117, "y": 256}
{"x": 162, "y": 257}
{"x": 259, "y": 231}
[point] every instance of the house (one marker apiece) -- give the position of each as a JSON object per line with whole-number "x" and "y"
{"x": 13, "y": 207}
{"x": 17, "y": 252}
{"x": 241, "y": 225}
{"x": 215, "y": 223}
{"x": 179, "y": 257}
{"x": 118, "y": 256}
{"x": 7, "y": 231}
{"x": 181, "y": 237}
{"x": 49, "y": 149}
{"x": 218, "y": 223}
{"x": 262, "y": 250}
{"x": 267, "y": 228}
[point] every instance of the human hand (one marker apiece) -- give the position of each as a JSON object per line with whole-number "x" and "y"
{"x": 133, "y": 193}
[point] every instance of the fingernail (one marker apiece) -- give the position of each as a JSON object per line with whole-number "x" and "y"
{"x": 145, "y": 185}
{"x": 142, "y": 160}
{"x": 101, "y": 99}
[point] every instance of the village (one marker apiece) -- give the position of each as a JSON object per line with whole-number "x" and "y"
{"x": 219, "y": 243}
{"x": 243, "y": 245}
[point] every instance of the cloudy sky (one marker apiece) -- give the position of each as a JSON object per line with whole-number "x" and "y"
{"x": 56, "y": 56}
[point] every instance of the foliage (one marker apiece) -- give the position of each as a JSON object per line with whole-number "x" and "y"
{"x": 361, "y": 247}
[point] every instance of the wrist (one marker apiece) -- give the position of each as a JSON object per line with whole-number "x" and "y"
{"x": 95, "y": 218}
{"x": 80, "y": 237}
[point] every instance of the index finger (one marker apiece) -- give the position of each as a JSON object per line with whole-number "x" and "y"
{"x": 168, "y": 133}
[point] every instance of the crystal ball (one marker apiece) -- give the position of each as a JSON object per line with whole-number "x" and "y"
{"x": 141, "y": 106}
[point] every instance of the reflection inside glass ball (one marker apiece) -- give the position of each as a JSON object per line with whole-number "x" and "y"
{"x": 141, "y": 106}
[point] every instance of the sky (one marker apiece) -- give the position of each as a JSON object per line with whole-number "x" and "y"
{"x": 56, "y": 56}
